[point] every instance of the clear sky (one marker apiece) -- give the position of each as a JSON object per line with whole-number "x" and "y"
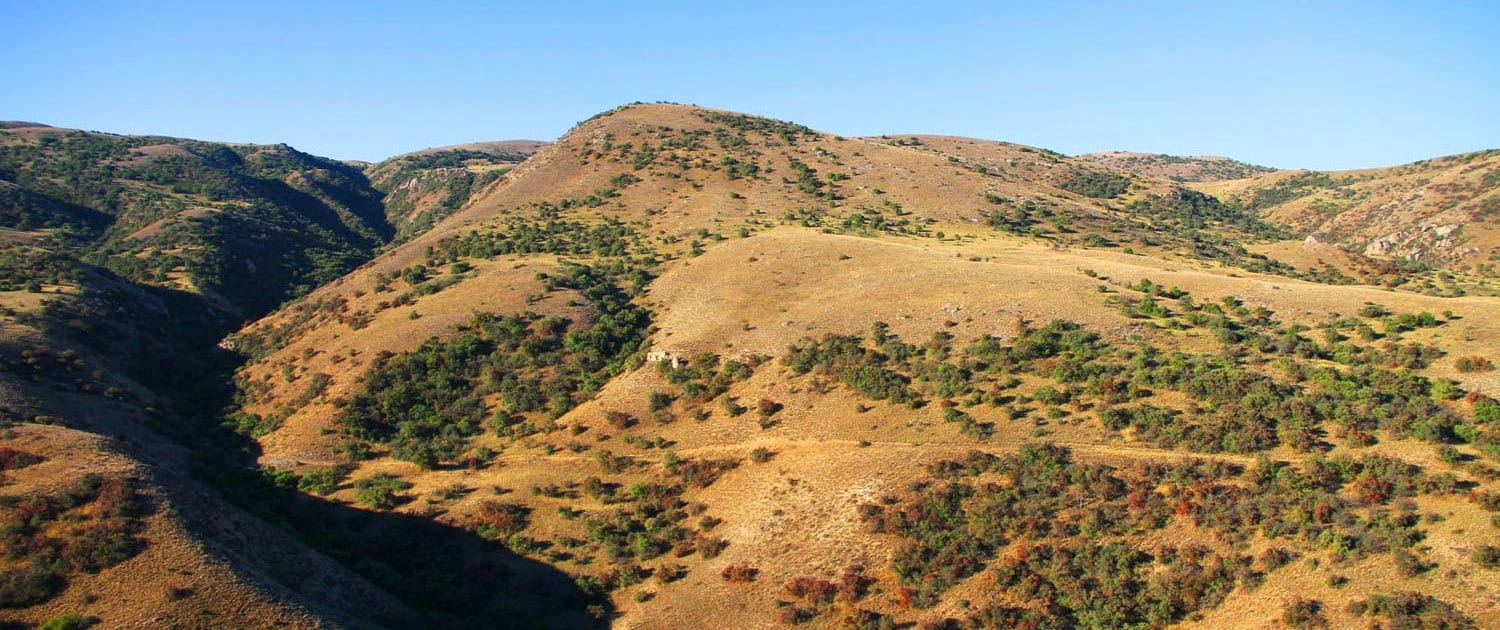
{"x": 1290, "y": 84}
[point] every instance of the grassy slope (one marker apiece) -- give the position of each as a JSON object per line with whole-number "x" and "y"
{"x": 92, "y": 358}
{"x": 126, "y": 259}
{"x": 789, "y": 280}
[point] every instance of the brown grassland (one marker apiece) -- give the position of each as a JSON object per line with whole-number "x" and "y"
{"x": 678, "y": 498}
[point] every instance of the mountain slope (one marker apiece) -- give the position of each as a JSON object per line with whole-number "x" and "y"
{"x": 725, "y": 369}
{"x": 103, "y": 388}
{"x": 123, "y": 497}
{"x": 1442, "y": 213}
{"x": 424, "y": 187}
{"x": 247, "y": 226}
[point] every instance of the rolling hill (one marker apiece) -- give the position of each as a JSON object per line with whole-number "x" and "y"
{"x": 245, "y": 226}
{"x": 686, "y": 366}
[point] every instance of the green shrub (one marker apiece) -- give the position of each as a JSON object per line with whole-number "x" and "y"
{"x": 1487, "y": 556}
{"x": 322, "y": 481}
{"x": 1409, "y": 609}
{"x": 69, "y": 621}
{"x": 1473, "y": 364}
{"x": 89, "y": 526}
{"x": 427, "y": 403}
{"x": 379, "y": 491}
{"x": 1298, "y": 612}
{"x": 1097, "y": 184}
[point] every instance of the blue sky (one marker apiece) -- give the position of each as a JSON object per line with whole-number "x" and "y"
{"x": 1294, "y": 84}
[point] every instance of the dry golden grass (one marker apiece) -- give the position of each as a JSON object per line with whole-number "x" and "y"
{"x": 202, "y": 564}
{"x": 204, "y": 561}
{"x": 794, "y": 515}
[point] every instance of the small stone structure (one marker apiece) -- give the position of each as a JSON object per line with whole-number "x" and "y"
{"x": 657, "y": 356}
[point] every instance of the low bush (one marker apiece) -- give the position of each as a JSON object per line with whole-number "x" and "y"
{"x": 380, "y": 491}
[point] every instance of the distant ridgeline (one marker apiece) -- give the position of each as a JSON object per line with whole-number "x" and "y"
{"x": 246, "y": 226}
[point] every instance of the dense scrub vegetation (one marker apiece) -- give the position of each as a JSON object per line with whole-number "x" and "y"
{"x": 609, "y": 237}
{"x": 1188, "y": 209}
{"x": 1187, "y": 169}
{"x": 844, "y": 358}
{"x": 789, "y": 133}
{"x": 1322, "y": 386}
{"x": 1182, "y": 222}
{"x": 1052, "y": 530}
{"x": 806, "y": 598}
{"x": 703, "y": 378}
{"x": 16, "y": 459}
{"x": 422, "y": 189}
{"x": 1096, "y": 184}
{"x": 1409, "y": 609}
{"x": 1068, "y": 537}
{"x": 426, "y": 403}
{"x": 88, "y": 527}
{"x": 1295, "y": 187}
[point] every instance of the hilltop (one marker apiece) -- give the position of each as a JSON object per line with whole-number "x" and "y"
{"x": 687, "y": 366}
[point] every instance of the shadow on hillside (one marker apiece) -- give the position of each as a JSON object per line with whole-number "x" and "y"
{"x": 321, "y": 214}
{"x": 450, "y": 576}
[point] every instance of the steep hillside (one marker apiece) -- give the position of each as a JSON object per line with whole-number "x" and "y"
{"x": 246, "y": 226}
{"x": 123, "y": 497}
{"x": 1441, "y": 214}
{"x": 671, "y": 180}
{"x": 720, "y": 369}
{"x": 107, "y": 422}
{"x": 1198, "y": 168}
{"x": 424, "y": 187}
{"x": 94, "y": 532}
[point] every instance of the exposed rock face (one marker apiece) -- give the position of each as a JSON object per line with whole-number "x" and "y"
{"x": 1419, "y": 243}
